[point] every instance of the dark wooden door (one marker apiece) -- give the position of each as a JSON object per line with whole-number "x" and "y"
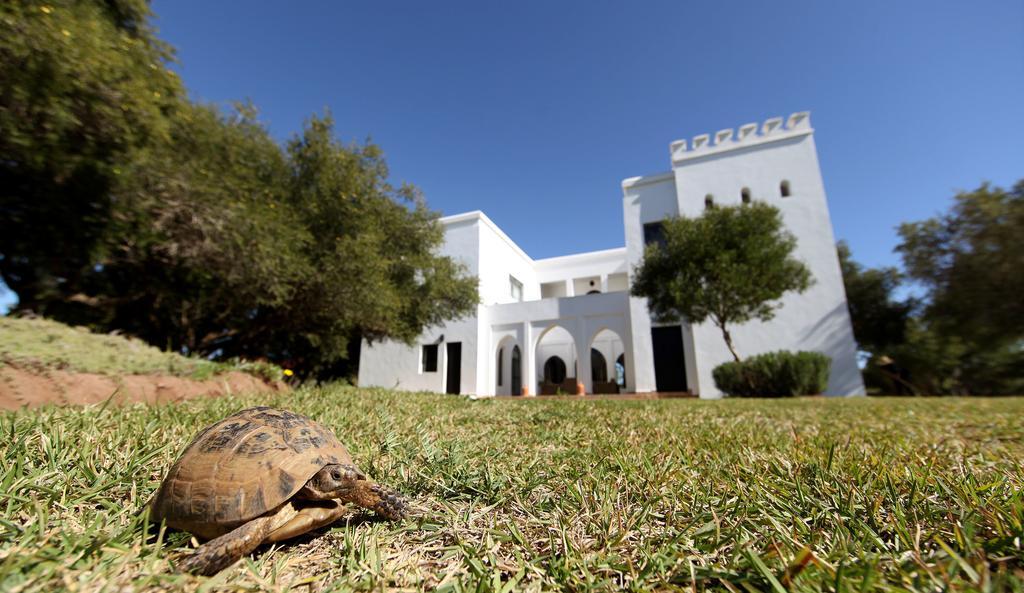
{"x": 453, "y": 383}
{"x": 669, "y": 361}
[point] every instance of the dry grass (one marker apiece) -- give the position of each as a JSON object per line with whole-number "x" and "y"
{"x": 846, "y": 495}
{"x": 49, "y": 344}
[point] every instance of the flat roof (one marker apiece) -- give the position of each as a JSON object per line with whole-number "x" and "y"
{"x": 479, "y": 215}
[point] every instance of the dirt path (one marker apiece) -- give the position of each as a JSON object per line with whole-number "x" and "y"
{"x": 30, "y": 386}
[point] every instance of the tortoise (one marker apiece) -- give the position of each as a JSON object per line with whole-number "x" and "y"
{"x": 258, "y": 476}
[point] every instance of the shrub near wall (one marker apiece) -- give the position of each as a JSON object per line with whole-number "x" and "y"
{"x": 775, "y": 374}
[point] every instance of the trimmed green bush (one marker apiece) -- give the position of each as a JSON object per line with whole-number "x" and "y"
{"x": 775, "y": 374}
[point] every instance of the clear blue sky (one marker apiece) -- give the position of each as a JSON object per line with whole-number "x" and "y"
{"x": 535, "y": 111}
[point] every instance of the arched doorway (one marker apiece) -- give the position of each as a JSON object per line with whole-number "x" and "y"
{"x": 557, "y": 362}
{"x": 606, "y": 346}
{"x": 508, "y": 376}
{"x": 554, "y": 370}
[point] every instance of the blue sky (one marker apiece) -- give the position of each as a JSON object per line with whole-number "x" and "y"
{"x": 535, "y": 111}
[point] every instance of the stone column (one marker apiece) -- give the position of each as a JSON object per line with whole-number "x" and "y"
{"x": 579, "y": 338}
{"x": 529, "y": 352}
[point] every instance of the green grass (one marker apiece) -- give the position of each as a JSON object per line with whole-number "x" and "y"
{"x": 49, "y": 344}
{"x": 864, "y": 494}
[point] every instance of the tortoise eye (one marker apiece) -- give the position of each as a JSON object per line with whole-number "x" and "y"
{"x": 336, "y": 475}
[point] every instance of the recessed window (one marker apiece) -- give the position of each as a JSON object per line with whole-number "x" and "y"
{"x": 501, "y": 367}
{"x": 515, "y": 288}
{"x": 654, "y": 232}
{"x": 429, "y": 358}
{"x": 709, "y": 202}
{"x": 745, "y": 195}
{"x": 784, "y": 188}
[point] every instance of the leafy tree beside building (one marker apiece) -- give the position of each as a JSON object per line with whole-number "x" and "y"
{"x": 730, "y": 265}
{"x": 126, "y": 206}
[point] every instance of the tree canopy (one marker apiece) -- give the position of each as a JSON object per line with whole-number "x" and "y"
{"x": 85, "y": 88}
{"x": 879, "y": 317}
{"x": 730, "y": 265}
{"x": 964, "y": 334}
{"x": 127, "y": 206}
{"x": 971, "y": 261}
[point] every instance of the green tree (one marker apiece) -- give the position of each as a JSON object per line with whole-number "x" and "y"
{"x": 964, "y": 335}
{"x": 970, "y": 260}
{"x": 970, "y": 336}
{"x": 879, "y": 318}
{"x": 373, "y": 250}
{"x": 729, "y": 265}
{"x": 201, "y": 238}
{"x": 85, "y": 87}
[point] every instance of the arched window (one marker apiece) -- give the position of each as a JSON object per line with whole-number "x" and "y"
{"x": 745, "y": 195}
{"x": 517, "y": 375}
{"x": 784, "y": 188}
{"x": 501, "y": 367}
{"x": 709, "y": 202}
{"x": 620, "y": 371}
{"x": 598, "y": 367}
{"x": 554, "y": 370}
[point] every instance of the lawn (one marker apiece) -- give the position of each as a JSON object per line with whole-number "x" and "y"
{"x": 737, "y": 495}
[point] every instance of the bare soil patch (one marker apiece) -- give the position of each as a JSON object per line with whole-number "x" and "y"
{"x": 36, "y": 385}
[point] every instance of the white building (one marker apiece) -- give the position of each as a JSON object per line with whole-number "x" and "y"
{"x": 537, "y": 317}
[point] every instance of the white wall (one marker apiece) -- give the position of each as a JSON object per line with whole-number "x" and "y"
{"x": 645, "y": 199}
{"x": 395, "y": 365}
{"x": 500, "y": 258}
{"x": 576, "y": 271}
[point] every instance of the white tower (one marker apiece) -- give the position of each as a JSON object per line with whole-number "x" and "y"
{"x": 776, "y": 164}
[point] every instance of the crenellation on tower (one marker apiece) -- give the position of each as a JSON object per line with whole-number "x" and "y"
{"x": 747, "y": 131}
{"x": 799, "y": 120}
{"x": 771, "y": 126}
{"x": 771, "y": 130}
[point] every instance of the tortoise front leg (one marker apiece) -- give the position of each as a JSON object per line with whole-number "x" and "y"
{"x": 220, "y": 553}
{"x": 307, "y": 519}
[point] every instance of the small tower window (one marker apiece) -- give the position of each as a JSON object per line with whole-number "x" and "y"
{"x": 709, "y": 201}
{"x": 784, "y": 188}
{"x": 745, "y": 195}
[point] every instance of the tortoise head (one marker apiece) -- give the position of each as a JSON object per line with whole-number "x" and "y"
{"x": 335, "y": 480}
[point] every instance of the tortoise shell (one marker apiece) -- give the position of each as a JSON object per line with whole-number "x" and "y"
{"x": 241, "y": 467}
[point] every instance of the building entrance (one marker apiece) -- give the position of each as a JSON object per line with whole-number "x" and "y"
{"x": 669, "y": 360}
